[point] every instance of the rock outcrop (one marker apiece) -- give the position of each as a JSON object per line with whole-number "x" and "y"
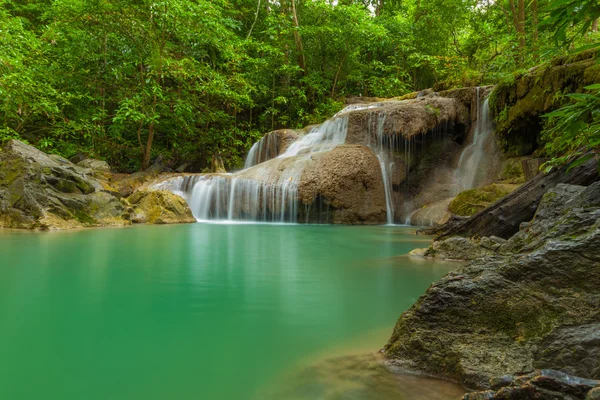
{"x": 38, "y": 191}
{"x": 159, "y": 207}
{"x": 534, "y": 303}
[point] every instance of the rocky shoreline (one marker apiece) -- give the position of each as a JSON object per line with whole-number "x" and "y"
{"x": 532, "y": 302}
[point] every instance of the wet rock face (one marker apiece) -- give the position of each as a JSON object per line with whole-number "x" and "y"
{"x": 545, "y": 384}
{"x": 38, "y": 191}
{"x": 532, "y": 304}
{"x": 159, "y": 207}
{"x": 346, "y": 183}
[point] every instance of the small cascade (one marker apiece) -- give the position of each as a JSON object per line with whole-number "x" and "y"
{"x": 384, "y": 155}
{"x": 264, "y": 149}
{"x": 322, "y": 138}
{"x": 469, "y": 163}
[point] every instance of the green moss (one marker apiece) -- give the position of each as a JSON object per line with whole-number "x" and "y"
{"x": 11, "y": 171}
{"x": 519, "y": 101}
{"x": 520, "y": 317}
{"x": 470, "y": 202}
{"x": 66, "y": 186}
{"x": 83, "y": 217}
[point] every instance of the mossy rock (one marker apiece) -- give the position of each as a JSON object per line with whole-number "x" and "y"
{"x": 471, "y": 201}
{"x": 519, "y": 102}
{"x": 159, "y": 207}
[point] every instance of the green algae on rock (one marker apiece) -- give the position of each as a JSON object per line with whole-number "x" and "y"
{"x": 471, "y": 201}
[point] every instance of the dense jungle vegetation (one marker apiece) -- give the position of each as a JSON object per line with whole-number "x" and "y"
{"x": 128, "y": 80}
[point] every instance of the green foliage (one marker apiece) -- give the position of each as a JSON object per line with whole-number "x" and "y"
{"x": 574, "y": 129}
{"x": 572, "y": 133}
{"x": 126, "y": 80}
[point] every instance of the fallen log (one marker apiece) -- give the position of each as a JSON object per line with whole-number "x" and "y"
{"x": 503, "y": 218}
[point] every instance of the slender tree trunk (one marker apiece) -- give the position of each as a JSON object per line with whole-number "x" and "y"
{"x": 378, "y": 8}
{"x": 595, "y": 25}
{"x": 521, "y": 28}
{"x": 298, "y": 39}
{"x": 536, "y": 46}
{"x": 148, "y": 151}
{"x": 337, "y": 75}
{"x": 518, "y": 12}
{"x": 255, "y": 18}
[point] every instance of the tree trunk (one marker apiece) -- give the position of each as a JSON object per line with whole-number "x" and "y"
{"x": 521, "y": 28}
{"x": 518, "y": 14}
{"x": 148, "y": 151}
{"x": 595, "y": 25}
{"x": 298, "y": 39}
{"x": 503, "y": 218}
{"x": 535, "y": 47}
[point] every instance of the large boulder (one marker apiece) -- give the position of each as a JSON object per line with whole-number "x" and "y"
{"x": 38, "y": 191}
{"x": 532, "y": 304}
{"x": 348, "y": 182}
{"x": 159, "y": 207}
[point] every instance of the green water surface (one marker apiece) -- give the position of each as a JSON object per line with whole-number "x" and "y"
{"x": 201, "y": 311}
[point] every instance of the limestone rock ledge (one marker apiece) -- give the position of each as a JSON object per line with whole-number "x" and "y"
{"x": 533, "y": 303}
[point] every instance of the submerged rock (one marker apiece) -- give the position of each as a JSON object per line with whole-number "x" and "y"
{"x": 536, "y": 305}
{"x": 159, "y": 207}
{"x": 38, "y": 191}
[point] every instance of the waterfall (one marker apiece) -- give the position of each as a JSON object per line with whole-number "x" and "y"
{"x": 229, "y": 198}
{"x": 263, "y": 192}
{"x": 384, "y": 154}
{"x": 469, "y": 163}
{"x": 268, "y": 191}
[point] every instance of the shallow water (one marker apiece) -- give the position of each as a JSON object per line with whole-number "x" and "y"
{"x": 208, "y": 311}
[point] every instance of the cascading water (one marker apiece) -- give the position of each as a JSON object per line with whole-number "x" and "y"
{"x": 383, "y": 153}
{"x": 259, "y": 193}
{"x": 469, "y": 163}
{"x": 268, "y": 192}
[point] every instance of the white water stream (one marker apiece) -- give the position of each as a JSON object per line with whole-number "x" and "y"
{"x": 470, "y": 161}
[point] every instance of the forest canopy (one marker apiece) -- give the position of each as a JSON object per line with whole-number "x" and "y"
{"x": 129, "y": 80}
